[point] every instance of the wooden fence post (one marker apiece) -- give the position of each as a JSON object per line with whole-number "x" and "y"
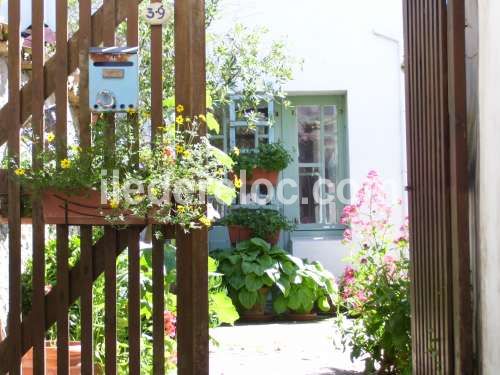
{"x": 192, "y": 248}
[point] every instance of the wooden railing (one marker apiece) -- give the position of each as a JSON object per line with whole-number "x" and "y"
{"x": 50, "y": 77}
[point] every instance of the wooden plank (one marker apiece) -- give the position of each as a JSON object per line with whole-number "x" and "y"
{"x": 86, "y": 269}
{"x": 37, "y": 121}
{"x": 461, "y": 267}
{"x": 14, "y": 69}
{"x": 51, "y": 68}
{"x": 158, "y": 303}
{"x": 84, "y": 41}
{"x": 192, "y": 249}
{"x": 62, "y": 249}
{"x": 134, "y": 301}
{"x": 61, "y": 95}
{"x": 156, "y": 78}
{"x": 133, "y": 41}
{"x": 110, "y": 300}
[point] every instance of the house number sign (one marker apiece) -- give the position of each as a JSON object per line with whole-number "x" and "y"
{"x": 158, "y": 13}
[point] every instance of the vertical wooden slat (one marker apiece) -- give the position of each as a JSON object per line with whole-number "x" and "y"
{"x": 86, "y": 300}
{"x": 158, "y": 303}
{"x": 462, "y": 330}
{"x": 156, "y": 78}
{"x": 192, "y": 248}
{"x": 435, "y": 80}
{"x": 87, "y": 335}
{"x": 14, "y": 67}
{"x": 110, "y": 300}
{"x": 61, "y": 94}
{"x": 134, "y": 302}
{"x": 37, "y": 120}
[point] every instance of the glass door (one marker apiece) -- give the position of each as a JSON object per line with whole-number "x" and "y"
{"x": 314, "y": 128}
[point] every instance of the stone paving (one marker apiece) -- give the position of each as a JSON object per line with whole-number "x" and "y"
{"x": 279, "y": 349}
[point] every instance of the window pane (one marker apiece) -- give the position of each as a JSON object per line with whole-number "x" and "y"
{"x": 245, "y": 138}
{"x": 309, "y": 131}
{"x": 309, "y": 208}
{"x": 330, "y": 144}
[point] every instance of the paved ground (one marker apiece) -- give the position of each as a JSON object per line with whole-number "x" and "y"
{"x": 279, "y": 349}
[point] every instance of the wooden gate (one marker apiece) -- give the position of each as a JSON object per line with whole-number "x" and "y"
{"x": 438, "y": 187}
{"x": 51, "y": 77}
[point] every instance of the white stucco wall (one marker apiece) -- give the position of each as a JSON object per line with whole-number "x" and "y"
{"x": 348, "y": 46}
{"x": 343, "y": 51}
{"x": 489, "y": 211}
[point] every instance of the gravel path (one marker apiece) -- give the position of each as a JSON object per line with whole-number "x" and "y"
{"x": 279, "y": 349}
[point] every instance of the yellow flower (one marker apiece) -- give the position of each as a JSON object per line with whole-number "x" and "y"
{"x": 179, "y": 108}
{"x": 76, "y": 148}
{"x": 179, "y": 149}
{"x": 131, "y": 111}
{"x": 237, "y": 182}
{"x": 114, "y": 203}
{"x": 186, "y": 154}
{"x": 20, "y": 171}
{"x": 188, "y": 119}
{"x": 236, "y": 151}
{"x": 202, "y": 118}
{"x": 138, "y": 198}
{"x": 181, "y": 209}
{"x": 220, "y": 172}
{"x": 205, "y": 221}
{"x": 179, "y": 120}
{"x": 65, "y": 164}
{"x": 50, "y": 137}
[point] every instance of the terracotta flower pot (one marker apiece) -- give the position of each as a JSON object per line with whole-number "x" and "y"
{"x": 237, "y": 233}
{"x": 305, "y": 317}
{"x": 75, "y": 359}
{"x": 258, "y": 312}
{"x": 259, "y": 173}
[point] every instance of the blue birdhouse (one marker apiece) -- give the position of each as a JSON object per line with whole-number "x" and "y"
{"x": 113, "y": 79}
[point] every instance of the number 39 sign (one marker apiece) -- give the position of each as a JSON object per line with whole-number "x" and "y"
{"x": 158, "y": 13}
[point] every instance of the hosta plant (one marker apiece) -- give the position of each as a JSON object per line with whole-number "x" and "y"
{"x": 375, "y": 288}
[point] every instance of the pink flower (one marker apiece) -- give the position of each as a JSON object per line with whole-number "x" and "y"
{"x": 349, "y": 275}
{"x": 389, "y": 259}
{"x": 372, "y": 174}
{"x": 169, "y": 152}
{"x": 362, "y": 296}
{"x": 170, "y": 323}
{"x": 347, "y": 235}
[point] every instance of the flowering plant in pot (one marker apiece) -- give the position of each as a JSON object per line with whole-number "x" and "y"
{"x": 250, "y": 271}
{"x": 264, "y": 163}
{"x": 375, "y": 288}
{"x": 244, "y": 223}
{"x": 164, "y": 181}
{"x": 306, "y": 288}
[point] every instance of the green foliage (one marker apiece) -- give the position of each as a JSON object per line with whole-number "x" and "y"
{"x": 308, "y": 286}
{"x": 269, "y": 156}
{"x": 263, "y": 222}
{"x": 255, "y": 264}
{"x": 375, "y": 289}
{"x": 178, "y": 161}
{"x": 241, "y": 62}
{"x": 221, "y": 308}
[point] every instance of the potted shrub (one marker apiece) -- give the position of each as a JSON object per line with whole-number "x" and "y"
{"x": 72, "y": 189}
{"x": 245, "y": 223}
{"x": 250, "y": 270}
{"x": 311, "y": 288}
{"x": 264, "y": 163}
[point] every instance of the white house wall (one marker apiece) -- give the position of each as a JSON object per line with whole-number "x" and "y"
{"x": 348, "y": 46}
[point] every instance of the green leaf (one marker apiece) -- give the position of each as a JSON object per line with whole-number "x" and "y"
{"x": 323, "y": 304}
{"x": 220, "y": 190}
{"x": 237, "y": 281}
{"x": 253, "y": 282}
{"x": 259, "y": 242}
{"x": 223, "y": 158}
{"x": 288, "y": 268}
{"x": 280, "y": 305}
{"x": 250, "y": 267}
{"x": 265, "y": 261}
{"x": 247, "y": 298}
{"x": 212, "y": 123}
{"x": 222, "y": 306}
